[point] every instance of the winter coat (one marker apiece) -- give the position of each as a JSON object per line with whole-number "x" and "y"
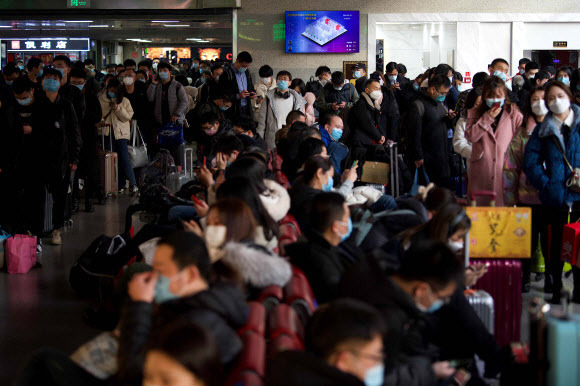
{"x": 228, "y": 83}
{"x": 261, "y": 91}
{"x": 517, "y": 188}
{"x": 275, "y": 165}
{"x": 314, "y": 87}
{"x": 309, "y": 109}
{"x": 258, "y": 266}
{"x": 176, "y": 98}
{"x": 276, "y": 200}
{"x": 221, "y": 309}
{"x": 268, "y": 121}
{"x": 551, "y": 181}
{"x": 389, "y": 114}
{"x": 322, "y": 263}
{"x": 461, "y": 145}
{"x": 364, "y": 121}
{"x": 489, "y": 148}
{"x": 359, "y": 84}
{"x": 119, "y": 118}
{"x": 408, "y": 355}
{"x": 426, "y": 126}
{"x": 295, "y": 368}
{"x": 329, "y": 95}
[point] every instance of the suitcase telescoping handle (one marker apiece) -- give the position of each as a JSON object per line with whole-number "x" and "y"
{"x": 189, "y": 151}
{"x": 110, "y": 137}
{"x": 483, "y": 193}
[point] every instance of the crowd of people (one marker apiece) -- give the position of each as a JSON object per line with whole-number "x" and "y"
{"x": 280, "y": 187}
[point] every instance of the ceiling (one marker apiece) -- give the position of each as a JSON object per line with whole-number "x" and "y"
{"x": 214, "y": 29}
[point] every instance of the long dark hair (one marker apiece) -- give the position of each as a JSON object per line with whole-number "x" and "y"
{"x": 448, "y": 220}
{"x": 489, "y": 86}
{"x": 193, "y": 347}
{"x": 313, "y": 164}
{"x": 120, "y": 89}
{"x": 250, "y": 168}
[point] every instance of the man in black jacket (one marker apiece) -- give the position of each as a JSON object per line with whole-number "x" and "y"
{"x": 180, "y": 286}
{"x": 319, "y": 257}
{"x": 426, "y": 129}
{"x": 427, "y": 277}
{"x": 323, "y": 74}
{"x": 336, "y": 96}
{"x": 360, "y": 74}
{"x": 344, "y": 348}
{"x": 237, "y": 80}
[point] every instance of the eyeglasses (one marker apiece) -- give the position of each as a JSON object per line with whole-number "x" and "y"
{"x": 442, "y": 93}
{"x": 445, "y": 300}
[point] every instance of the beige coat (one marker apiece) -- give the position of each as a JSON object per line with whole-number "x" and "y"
{"x": 120, "y": 118}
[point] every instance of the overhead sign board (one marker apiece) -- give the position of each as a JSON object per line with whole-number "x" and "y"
{"x": 116, "y": 4}
{"x": 49, "y": 44}
{"x": 78, "y": 4}
{"x": 560, "y": 44}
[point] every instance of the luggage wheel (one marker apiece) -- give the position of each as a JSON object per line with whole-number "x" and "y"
{"x": 538, "y": 276}
{"x": 69, "y": 223}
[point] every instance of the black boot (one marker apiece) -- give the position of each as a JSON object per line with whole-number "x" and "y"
{"x": 89, "y": 207}
{"x": 76, "y": 206}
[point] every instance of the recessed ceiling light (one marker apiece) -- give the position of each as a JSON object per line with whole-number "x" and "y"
{"x": 78, "y": 21}
{"x": 99, "y": 26}
{"x": 6, "y": 26}
{"x": 177, "y": 25}
{"x": 203, "y": 41}
{"x": 164, "y": 21}
{"x": 194, "y": 39}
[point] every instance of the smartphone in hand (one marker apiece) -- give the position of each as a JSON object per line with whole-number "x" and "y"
{"x": 496, "y": 105}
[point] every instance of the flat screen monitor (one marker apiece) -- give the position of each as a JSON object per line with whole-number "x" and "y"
{"x": 318, "y": 32}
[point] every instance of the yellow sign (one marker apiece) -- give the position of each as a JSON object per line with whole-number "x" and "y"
{"x": 500, "y": 232}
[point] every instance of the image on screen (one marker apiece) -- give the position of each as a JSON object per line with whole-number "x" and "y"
{"x": 322, "y": 32}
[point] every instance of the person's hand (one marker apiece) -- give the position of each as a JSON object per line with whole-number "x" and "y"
{"x": 389, "y": 142}
{"x": 494, "y": 112}
{"x": 221, "y": 161}
{"x": 473, "y": 273}
{"x": 350, "y": 174}
{"x": 342, "y": 105}
{"x": 253, "y": 95}
{"x": 260, "y": 100}
{"x": 382, "y": 140}
{"x": 442, "y": 370}
{"x": 205, "y": 176}
{"x": 451, "y": 114}
{"x": 154, "y": 79}
{"x": 113, "y": 106}
{"x": 174, "y": 119}
{"x": 27, "y": 129}
{"x": 193, "y": 227}
{"x": 73, "y": 167}
{"x": 201, "y": 209}
{"x": 102, "y": 124}
{"x": 335, "y": 106}
{"x": 395, "y": 86}
{"x": 244, "y": 94}
{"x": 221, "y": 178}
{"x": 419, "y": 163}
{"x": 142, "y": 287}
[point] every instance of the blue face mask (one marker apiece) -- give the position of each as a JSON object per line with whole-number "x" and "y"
{"x": 41, "y": 72}
{"x": 415, "y": 86}
{"x": 393, "y": 78}
{"x": 338, "y": 88}
{"x": 491, "y": 101}
{"x": 111, "y": 95}
{"x": 21, "y": 67}
{"x": 61, "y": 70}
{"x": 357, "y": 74}
{"x": 162, "y": 292}
{"x": 375, "y": 376}
{"x": 336, "y": 134}
{"x": 201, "y": 70}
{"x": 329, "y": 184}
{"x": 501, "y": 75}
{"x": 164, "y": 75}
{"x": 80, "y": 86}
{"x": 437, "y": 304}
{"x": 10, "y": 82}
{"x": 224, "y": 108}
{"x": 24, "y": 102}
{"x": 51, "y": 85}
{"x": 564, "y": 80}
{"x": 440, "y": 98}
{"x": 451, "y": 79}
{"x": 282, "y": 85}
{"x": 348, "y": 230}
{"x": 195, "y": 65}
{"x": 142, "y": 80}
{"x": 242, "y": 70}
{"x": 203, "y": 80}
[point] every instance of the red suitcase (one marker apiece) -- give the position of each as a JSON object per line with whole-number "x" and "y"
{"x": 503, "y": 282}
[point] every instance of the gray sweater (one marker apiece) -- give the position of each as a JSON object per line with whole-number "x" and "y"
{"x": 176, "y": 97}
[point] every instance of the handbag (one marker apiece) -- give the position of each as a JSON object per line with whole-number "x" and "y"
{"x": 573, "y": 182}
{"x": 137, "y": 154}
{"x": 20, "y": 253}
{"x": 415, "y": 187}
{"x": 170, "y": 135}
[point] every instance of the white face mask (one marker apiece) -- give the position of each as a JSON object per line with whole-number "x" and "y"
{"x": 539, "y": 108}
{"x": 215, "y": 238}
{"x": 455, "y": 246}
{"x": 128, "y": 80}
{"x": 267, "y": 80}
{"x": 323, "y": 82}
{"x": 559, "y": 105}
{"x": 375, "y": 95}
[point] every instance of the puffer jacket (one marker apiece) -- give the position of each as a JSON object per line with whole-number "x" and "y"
{"x": 120, "y": 118}
{"x": 517, "y": 188}
{"x": 551, "y": 181}
{"x": 269, "y": 118}
{"x": 310, "y": 98}
{"x": 329, "y": 95}
{"x": 461, "y": 145}
{"x": 176, "y": 98}
{"x": 276, "y": 200}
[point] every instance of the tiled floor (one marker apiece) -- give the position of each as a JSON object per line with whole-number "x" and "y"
{"x": 40, "y": 308}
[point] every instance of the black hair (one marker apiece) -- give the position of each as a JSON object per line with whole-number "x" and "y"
{"x": 215, "y": 67}
{"x": 499, "y": 60}
{"x": 188, "y": 249}
{"x": 472, "y": 96}
{"x": 479, "y": 78}
{"x": 265, "y": 71}
{"x": 193, "y": 347}
{"x": 10, "y": 69}
{"x": 165, "y": 65}
{"x": 300, "y": 84}
{"x": 337, "y": 78}
{"x": 129, "y": 63}
{"x": 326, "y": 119}
{"x": 119, "y": 65}
{"x": 438, "y": 197}
{"x": 250, "y": 168}
{"x": 182, "y": 79}
{"x": 432, "y": 262}
{"x": 322, "y": 70}
{"x": 442, "y": 69}
{"x": 111, "y": 65}
{"x": 51, "y": 71}
{"x": 339, "y": 322}
{"x": 551, "y": 70}
{"x": 89, "y": 62}
{"x": 64, "y": 58}
{"x": 78, "y": 64}
{"x": 210, "y": 118}
{"x": 528, "y": 106}
{"x": 524, "y": 61}
{"x": 309, "y": 147}
{"x": 371, "y": 81}
{"x": 532, "y": 66}
{"x": 227, "y": 144}
{"x": 244, "y": 57}
{"x": 575, "y": 81}
{"x": 458, "y": 76}
{"x": 327, "y": 207}
{"x": 284, "y": 73}
{"x": 114, "y": 82}
{"x": 565, "y": 70}
{"x": 144, "y": 63}
{"x": 33, "y": 63}
{"x": 22, "y": 84}
{"x": 77, "y": 73}
{"x": 312, "y": 165}
{"x": 246, "y": 123}
{"x": 439, "y": 80}
{"x": 401, "y": 68}
{"x": 391, "y": 66}
{"x": 541, "y": 75}
{"x": 293, "y": 116}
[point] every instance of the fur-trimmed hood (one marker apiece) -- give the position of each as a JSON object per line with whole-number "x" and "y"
{"x": 276, "y": 201}
{"x": 258, "y": 267}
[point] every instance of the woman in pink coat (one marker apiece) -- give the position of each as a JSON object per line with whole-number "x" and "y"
{"x": 299, "y": 86}
{"x": 490, "y": 129}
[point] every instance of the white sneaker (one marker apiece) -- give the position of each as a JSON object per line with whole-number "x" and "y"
{"x": 55, "y": 237}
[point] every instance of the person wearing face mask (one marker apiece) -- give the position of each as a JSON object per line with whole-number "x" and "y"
{"x": 72, "y": 93}
{"x": 518, "y": 190}
{"x": 323, "y": 74}
{"x": 336, "y": 96}
{"x": 180, "y": 285}
{"x": 343, "y": 348}
{"x": 500, "y": 67}
{"x": 556, "y": 142}
{"x": 564, "y": 76}
{"x": 265, "y": 84}
{"x": 331, "y": 130}
{"x": 212, "y": 129}
{"x": 426, "y": 129}
{"x": 490, "y": 128}
{"x": 35, "y": 69}
{"x": 9, "y": 74}
{"x": 406, "y": 296}
{"x": 319, "y": 257}
{"x": 209, "y": 90}
{"x": 237, "y": 80}
{"x": 522, "y": 66}
{"x": 278, "y": 103}
{"x": 91, "y": 68}
{"x": 540, "y": 79}
{"x": 205, "y": 78}
{"x": 359, "y": 72}
{"x": 247, "y": 126}
{"x": 117, "y": 113}
{"x": 390, "y": 116}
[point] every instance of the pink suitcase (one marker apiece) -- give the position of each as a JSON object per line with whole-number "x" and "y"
{"x": 109, "y": 163}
